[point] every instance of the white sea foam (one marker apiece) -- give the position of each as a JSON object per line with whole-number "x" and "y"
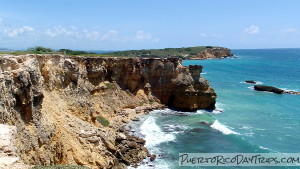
{"x": 161, "y": 111}
{"x": 246, "y": 127}
{"x": 174, "y": 129}
{"x": 289, "y": 90}
{"x": 219, "y": 108}
{"x": 153, "y": 134}
{"x": 204, "y": 73}
{"x": 200, "y": 112}
{"x": 251, "y": 87}
{"x": 222, "y": 128}
{"x": 265, "y": 148}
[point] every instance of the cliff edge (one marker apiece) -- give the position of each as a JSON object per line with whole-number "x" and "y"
{"x": 71, "y": 110}
{"x": 200, "y": 52}
{"x": 213, "y": 53}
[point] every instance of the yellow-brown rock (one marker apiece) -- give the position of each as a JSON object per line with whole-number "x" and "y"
{"x": 55, "y": 102}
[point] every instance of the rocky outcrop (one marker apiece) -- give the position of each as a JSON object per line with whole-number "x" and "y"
{"x": 268, "y": 89}
{"x": 273, "y": 90}
{"x": 213, "y": 53}
{"x": 250, "y": 81}
{"x": 171, "y": 83}
{"x": 56, "y": 102}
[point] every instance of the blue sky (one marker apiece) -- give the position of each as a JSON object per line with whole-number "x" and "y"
{"x": 144, "y": 24}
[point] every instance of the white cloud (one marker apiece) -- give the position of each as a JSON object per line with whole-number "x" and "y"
{"x": 59, "y": 30}
{"x": 155, "y": 40}
{"x": 94, "y": 35}
{"x": 253, "y": 29}
{"x": 14, "y": 32}
{"x": 50, "y": 33}
{"x": 289, "y": 31}
{"x": 141, "y": 35}
{"x": 110, "y": 35}
{"x": 73, "y": 32}
{"x": 60, "y": 35}
{"x": 144, "y": 36}
{"x": 216, "y": 35}
{"x": 73, "y": 27}
{"x": 203, "y": 34}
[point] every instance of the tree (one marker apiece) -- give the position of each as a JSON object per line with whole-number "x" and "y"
{"x": 39, "y": 49}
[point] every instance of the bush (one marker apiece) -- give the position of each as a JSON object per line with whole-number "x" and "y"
{"x": 73, "y": 52}
{"x": 188, "y": 49}
{"x": 109, "y": 86}
{"x": 102, "y": 120}
{"x": 39, "y": 49}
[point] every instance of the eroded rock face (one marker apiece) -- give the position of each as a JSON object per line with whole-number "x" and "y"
{"x": 51, "y": 98}
{"x": 173, "y": 84}
{"x": 214, "y": 53}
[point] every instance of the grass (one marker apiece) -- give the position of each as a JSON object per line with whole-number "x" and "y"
{"x": 67, "y": 166}
{"x": 102, "y": 120}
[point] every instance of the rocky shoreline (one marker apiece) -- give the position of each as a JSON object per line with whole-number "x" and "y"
{"x": 213, "y": 53}
{"x": 71, "y": 110}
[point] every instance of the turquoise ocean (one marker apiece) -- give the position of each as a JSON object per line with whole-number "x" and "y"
{"x": 246, "y": 121}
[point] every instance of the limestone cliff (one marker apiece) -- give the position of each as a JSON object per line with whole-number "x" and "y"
{"x": 213, "y": 53}
{"x": 57, "y": 103}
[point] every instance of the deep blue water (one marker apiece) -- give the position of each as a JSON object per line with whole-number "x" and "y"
{"x": 250, "y": 121}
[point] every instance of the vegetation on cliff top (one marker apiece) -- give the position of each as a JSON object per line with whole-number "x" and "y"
{"x": 44, "y": 50}
{"x": 184, "y": 52}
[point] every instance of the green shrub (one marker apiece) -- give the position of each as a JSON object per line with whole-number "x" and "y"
{"x": 39, "y": 49}
{"x": 109, "y": 85}
{"x": 74, "y": 52}
{"x": 102, "y": 120}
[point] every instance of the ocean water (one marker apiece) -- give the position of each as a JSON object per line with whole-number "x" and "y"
{"x": 246, "y": 121}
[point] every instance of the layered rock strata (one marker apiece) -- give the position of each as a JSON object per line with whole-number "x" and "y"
{"x": 58, "y": 104}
